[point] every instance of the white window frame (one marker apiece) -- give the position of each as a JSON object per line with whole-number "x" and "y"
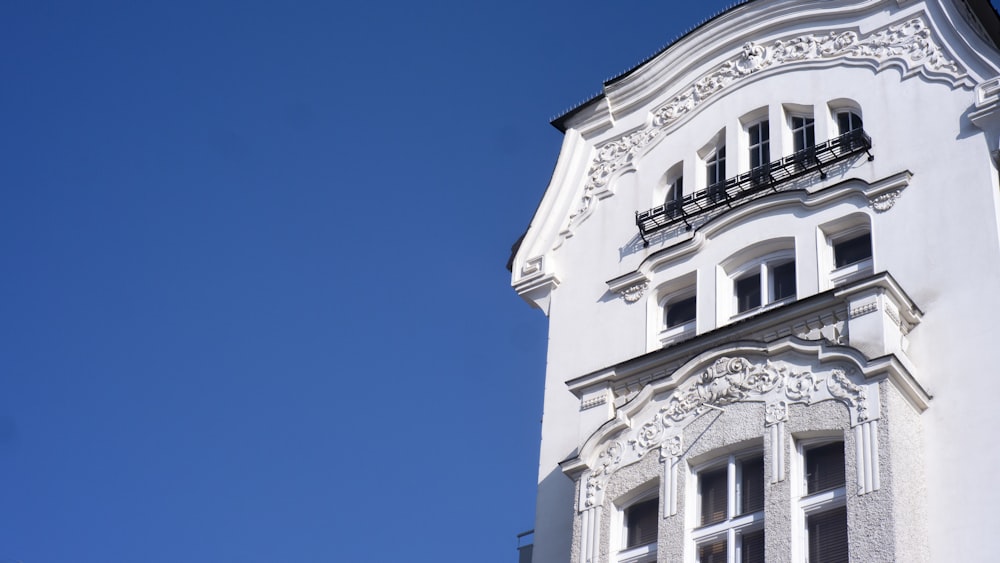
{"x": 640, "y": 554}
{"x": 808, "y": 122}
{"x": 763, "y": 266}
{"x": 850, "y": 272}
{"x": 805, "y": 504}
{"x": 671, "y": 335}
{"x": 734, "y": 526}
{"x": 764, "y": 124}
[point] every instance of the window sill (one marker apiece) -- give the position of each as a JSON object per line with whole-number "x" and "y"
{"x": 851, "y": 272}
{"x": 641, "y": 554}
{"x": 675, "y": 334}
{"x": 762, "y": 309}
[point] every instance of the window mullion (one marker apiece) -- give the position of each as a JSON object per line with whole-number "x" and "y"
{"x": 766, "y": 293}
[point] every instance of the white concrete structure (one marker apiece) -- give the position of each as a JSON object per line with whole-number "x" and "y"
{"x": 770, "y": 257}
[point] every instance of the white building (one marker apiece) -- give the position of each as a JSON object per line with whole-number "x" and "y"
{"x": 770, "y": 257}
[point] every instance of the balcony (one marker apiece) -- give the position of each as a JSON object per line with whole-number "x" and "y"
{"x": 744, "y": 188}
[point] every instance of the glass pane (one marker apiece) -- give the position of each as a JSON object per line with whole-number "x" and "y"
{"x": 712, "y": 552}
{"x": 641, "y": 522}
{"x": 783, "y": 281}
{"x": 853, "y": 250}
{"x": 828, "y": 537}
{"x": 825, "y": 467}
{"x": 680, "y": 312}
{"x": 751, "y": 485}
{"x": 748, "y": 293}
{"x": 713, "y": 486}
{"x": 752, "y": 547}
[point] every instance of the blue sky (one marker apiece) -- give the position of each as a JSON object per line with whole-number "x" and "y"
{"x": 254, "y": 298}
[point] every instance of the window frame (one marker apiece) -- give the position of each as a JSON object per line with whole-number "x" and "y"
{"x": 764, "y": 267}
{"x": 854, "y": 270}
{"x": 812, "y": 504}
{"x": 804, "y": 133}
{"x": 671, "y": 334}
{"x": 715, "y": 172}
{"x": 736, "y": 524}
{"x": 645, "y": 553}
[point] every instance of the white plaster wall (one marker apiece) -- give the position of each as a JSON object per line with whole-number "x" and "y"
{"x": 939, "y": 241}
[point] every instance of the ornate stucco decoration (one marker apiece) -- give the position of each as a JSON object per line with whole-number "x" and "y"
{"x": 726, "y": 381}
{"x": 884, "y": 202}
{"x": 909, "y": 44}
{"x": 634, "y": 293}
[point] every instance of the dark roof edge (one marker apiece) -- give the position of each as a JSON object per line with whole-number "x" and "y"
{"x": 559, "y": 122}
{"x": 983, "y": 10}
{"x": 989, "y": 17}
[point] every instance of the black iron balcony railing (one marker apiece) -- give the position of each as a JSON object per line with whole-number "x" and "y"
{"x": 748, "y": 186}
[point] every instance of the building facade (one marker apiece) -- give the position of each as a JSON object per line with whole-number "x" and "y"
{"x": 770, "y": 258}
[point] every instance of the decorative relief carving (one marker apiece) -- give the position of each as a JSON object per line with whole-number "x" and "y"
{"x": 909, "y": 43}
{"x": 775, "y": 413}
{"x": 633, "y": 293}
{"x": 864, "y": 310}
{"x": 594, "y": 402}
{"x": 884, "y": 202}
{"x": 606, "y": 464}
{"x": 842, "y": 388}
{"x": 726, "y": 381}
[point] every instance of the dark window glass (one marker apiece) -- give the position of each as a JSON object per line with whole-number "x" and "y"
{"x": 751, "y": 485}
{"x": 828, "y": 536}
{"x": 641, "y": 522}
{"x": 752, "y": 547}
{"x": 713, "y": 487}
{"x": 681, "y": 311}
{"x": 675, "y": 197}
{"x": 783, "y": 281}
{"x": 712, "y": 552}
{"x": 803, "y": 133}
{"x": 748, "y": 293}
{"x": 825, "y": 467}
{"x": 848, "y": 121}
{"x": 853, "y": 250}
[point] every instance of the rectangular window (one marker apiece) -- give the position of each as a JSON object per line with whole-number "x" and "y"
{"x": 715, "y": 174}
{"x": 748, "y": 293}
{"x": 848, "y": 121}
{"x": 760, "y": 144}
{"x": 713, "y": 487}
{"x": 731, "y": 511}
{"x": 803, "y": 133}
{"x": 641, "y": 523}
{"x": 712, "y": 552}
{"x": 822, "y": 503}
{"x": 783, "y": 281}
{"x": 804, "y": 141}
{"x": 824, "y": 468}
{"x": 852, "y": 250}
{"x": 752, "y": 547}
{"x": 675, "y": 197}
{"x": 827, "y": 533}
{"x": 681, "y": 311}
